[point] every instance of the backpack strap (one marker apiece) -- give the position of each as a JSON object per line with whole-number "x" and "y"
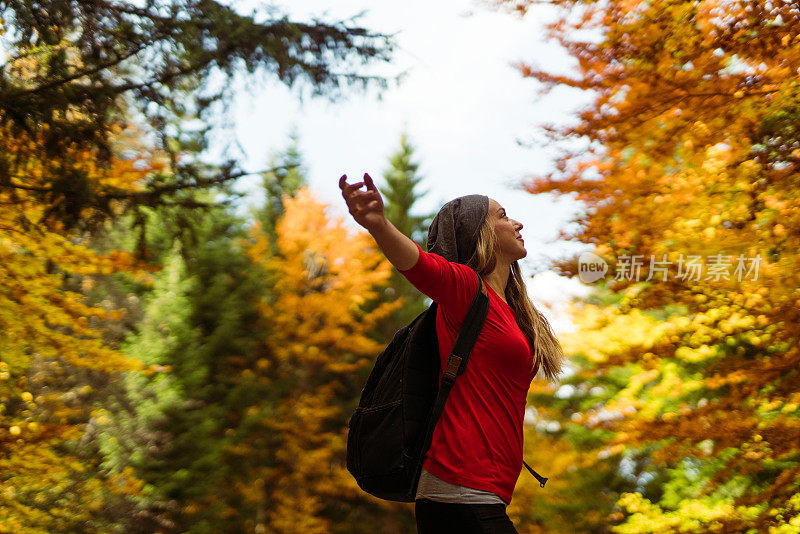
{"x": 457, "y": 364}
{"x": 468, "y": 334}
{"x": 457, "y": 361}
{"x": 542, "y": 480}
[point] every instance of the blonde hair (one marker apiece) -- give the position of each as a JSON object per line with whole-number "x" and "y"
{"x": 547, "y": 351}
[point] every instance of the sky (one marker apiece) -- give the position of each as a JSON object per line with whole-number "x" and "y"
{"x": 467, "y": 110}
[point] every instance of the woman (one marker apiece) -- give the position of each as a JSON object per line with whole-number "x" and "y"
{"x": 475, "y": 456}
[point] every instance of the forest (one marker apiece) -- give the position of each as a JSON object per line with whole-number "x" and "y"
{"x": 168, "y": 364}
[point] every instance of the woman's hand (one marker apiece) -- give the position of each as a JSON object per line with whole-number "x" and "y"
{"x": 366, "y": 207}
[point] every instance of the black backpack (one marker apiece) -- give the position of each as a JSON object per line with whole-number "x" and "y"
{"x": 391, "y": 430}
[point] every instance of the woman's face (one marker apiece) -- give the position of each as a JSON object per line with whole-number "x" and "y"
{"x": 509, "y": 244}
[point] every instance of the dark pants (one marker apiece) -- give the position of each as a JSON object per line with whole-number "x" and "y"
{"x": 443, "y": 517}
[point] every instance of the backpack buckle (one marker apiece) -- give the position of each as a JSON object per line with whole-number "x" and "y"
{"x": 453, "y": 364}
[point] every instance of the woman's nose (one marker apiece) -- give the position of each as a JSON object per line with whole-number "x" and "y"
{"x": 519, "y": 225}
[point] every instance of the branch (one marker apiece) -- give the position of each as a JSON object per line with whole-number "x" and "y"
{"x": 171, "y": 188}
{"x": 11, "y": 185}
{"x": 12, "y": 95}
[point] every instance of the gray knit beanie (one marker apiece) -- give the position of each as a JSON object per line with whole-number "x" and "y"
{"x": 453, "y": 234}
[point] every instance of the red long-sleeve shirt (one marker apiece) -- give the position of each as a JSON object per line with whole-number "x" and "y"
{"x": 477, "y": 442}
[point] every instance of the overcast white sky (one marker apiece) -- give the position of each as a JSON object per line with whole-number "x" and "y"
{"x": 463, "y": 105}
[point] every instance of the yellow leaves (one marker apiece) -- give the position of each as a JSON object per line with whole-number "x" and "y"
{"x": 691, "y": 515}
{"x": 774, "y": 202}
{"x": 718, "y": 156}
{"x": 753, "y": 455}
{"x": 638, "y": 380}
{"x": 37, "y": 314}
{"x": 690, "y": 224}
{"x": 716, "y": 178}
{"x": 634, "y": 502}
{"x": 699, "y": 128}
{"x": 346, "y": 367}
{"x": 790, "y": 407}
{"x": 603, "y": 332}
{"x": 695, "y": 355}
{"x": 770, "y": 405}
{"x": 753, "y": 300}
{"x": 611, "y": 451}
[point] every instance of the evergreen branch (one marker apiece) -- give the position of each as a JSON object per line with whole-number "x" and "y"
{"x": 197, "y": 184}
{"x": 13, "y": 95}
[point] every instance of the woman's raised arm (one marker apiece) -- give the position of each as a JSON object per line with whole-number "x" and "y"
{"x": 366, "y": 207}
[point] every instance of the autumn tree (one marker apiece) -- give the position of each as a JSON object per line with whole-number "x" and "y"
{"x": 51, "y": 346}
{"x": 312, "y": 361}
{"x": 689, "y": 181}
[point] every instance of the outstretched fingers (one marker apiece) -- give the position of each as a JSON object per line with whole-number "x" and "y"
{"x": 345, "y": 187}
{"x": 370, "y": 184}
{"x": 360, "y": 201}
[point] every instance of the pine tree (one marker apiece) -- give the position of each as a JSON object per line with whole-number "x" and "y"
{"x": 400, "y": 195}
{"x": 150, "y": 425}
{"x": 199, "y": 325}
{"x": 288, "y": 177}
{"x": 77, "y": 71}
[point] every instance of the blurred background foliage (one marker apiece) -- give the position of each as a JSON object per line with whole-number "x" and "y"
{"x": 167, "y": 365}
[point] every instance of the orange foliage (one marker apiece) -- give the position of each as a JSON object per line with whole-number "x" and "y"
{"x": 43, "y": 326}
{"x": 316, "y": 324}
{"x": 695, "y": 152}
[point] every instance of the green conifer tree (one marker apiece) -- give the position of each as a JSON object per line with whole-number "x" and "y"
{"x": 400, "y": 195}
{"x": 151, "y": 424}
{"x": 197, "y": 321}
{"x": 288, "y": 176}
{"x": 73, "y": 70}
